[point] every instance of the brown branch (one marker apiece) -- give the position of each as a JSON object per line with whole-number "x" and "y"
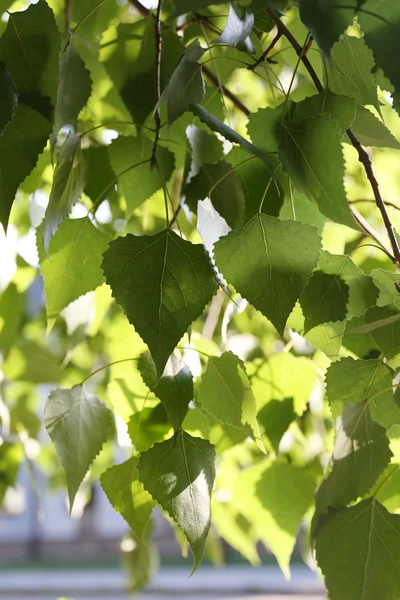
{"x": 264, "y": 55}
{"x": 157, "y": 112}
{"x": 67, "y": 15}
{"x": 363, "y": 156}
{"x": 359, "y": 200}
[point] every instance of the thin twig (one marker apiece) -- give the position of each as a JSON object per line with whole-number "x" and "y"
{"x": 264, "y": 55}
{"x": 360, "y": 200}
{"x": 363, "y": 156}
{"x": 140, "y": 8}
{"x": 234, "y": 99}
{"x": 157, "y": 112}
{"x": 371, "y": 232}
{"x": 67, "y": 15}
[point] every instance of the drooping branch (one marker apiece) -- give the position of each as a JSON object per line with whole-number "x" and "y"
{"x": 363, "y": 156}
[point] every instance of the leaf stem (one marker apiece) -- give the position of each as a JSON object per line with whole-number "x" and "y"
{"x": 157, "y": 112}
{"x": 116, "y": 362}
{"x": 115, "y": 123}
{"x": 363, "y": 156}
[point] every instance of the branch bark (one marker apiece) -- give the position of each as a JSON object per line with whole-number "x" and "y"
{"x": 157, "y": 113}
{"x": 363, "y": 156}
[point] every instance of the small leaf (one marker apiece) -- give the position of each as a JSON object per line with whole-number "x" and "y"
{"x": 179, "y": 474}
{"x": 370, "y": 131}
{"x": 68, "y": 182}
{"x": 73, "y": 265}
{"x": 311, "y": 153}
{"x": 74, "y": 88}
{"x": 78, "y": 424}
{"x": 226, "y": 192}
{"x": 387, "y": 282}
{"x": 324, "y": 299}
{"x": 8, "y": 96}
{"x": 237, "y": 30}
{"x": 350, "y": 71}
{"x": 174, "y": 389}
{"x": 369, "y": 381}
{"x": 386, "y": 328}
{"x": 225, "y": 393}
{"x": 163, "y": 284}
{"x": 128, "y": 496}
{"x": 275, "y": 418}
{"x": 269, "y": 263}
{"x": 139, "y": 182}
{"x": 186, "y": 85}
{"x": 371, "y": 537}
{"x": 149, "y": 426}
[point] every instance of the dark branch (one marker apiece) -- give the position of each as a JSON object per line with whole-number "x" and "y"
{"x": 362, "y": 154}
{"x": 157, "y": 113}
{"x": 264, "y": 55}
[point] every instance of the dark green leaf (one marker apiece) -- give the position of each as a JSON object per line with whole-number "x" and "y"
{"x": 138, "y": 183}
{"x": 275, "y": 418}
{"x": 8, "y": 96}
{"x": 206, "y": 147}
{"x": 265, "y": 128}
{"x": 311, "y": 153}
{"x": 370, "y": 536}
{"x": 226, "y": 196}
{"x": 174, "y": 389}
{"x": 269, "y": 263}
{"x": 149, "y": 426}
{"x": 128, "y": 496}
{"x": 370, "y": 131}
{"x": 78, "y": 424}
{"x": 237, "y": 30}
{"x": 387, "y": 335}
{"x": 11, "y": 456}
{"x": 340, "y": 108}
{"x": 225, "y": 393}
{"x": 72, "y": 266}
{"x": 99, "y": 174}
{"x": 349, "y": 71}
{"x": 327, "y": 19}
{"x": 370, "y": 381}
{"x": 179, "y": 474}
{"x": 185, "y": 6}
{"x": 324, "y": 299}
{"x": 74, "y": 88}
{"x": 68, "y": 182}
{"x": 163, "y": 284}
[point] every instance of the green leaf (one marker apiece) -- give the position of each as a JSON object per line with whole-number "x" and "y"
{"x": 206, "y": 147}
{"x": 226, "y": 196}
{"x": 30, "y": 47}
{"x": 386, "y": 329}
{"x": 311, "y": 153}
{"x": 11, "y": 316}
{"x": 371, "y": 537}
{"x": 283, "y": 376}
{"x": 350, "y": 71}
{"x": 73, "y": 265}
{"x": 19, "y": 152}
{"x": 235, "y": 529}
{"x": 386, "y": 282}
{"x": 99, "y": 174}
{"x": 225, "y": 394}
{"x": 265, "y": 496}
{"x": 269, "y": 263}
{"x": 163, "y": 284}
{"x": 174, "y": 389}
{"x": 185, "y": 6}
{"x": 369, "y": 381}
{"x": 78, "y": 424}
{"x": 11, "y": 457}
{"x": 361, "y": 454}
{"x": 340, "y": 108}
{"x": 179, "y": 474}
{"x": 275, "y": 418}
{"x": 380, "y": 22}
{"x": 68, "y": 182}
{"x": 186, "y": 85}
{"x": 128, "y": 496}
{"x": 388, "y": 488}
{"x": 74, "y": 87}
{"x": 137, "y": 182}
{"x": 327, "y": 337}
{"x": 237, "y": 30}
{"x": 370, "y": 131}
{"x": 8, "y": 96}
{"x": 264, "y": 128}
{"x": 324, "y": 299}
{"x": 327, "y": 19}
{"x": 149, "y": 426}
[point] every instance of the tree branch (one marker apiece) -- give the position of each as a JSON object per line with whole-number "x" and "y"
{"x": 157, "y": 113}
{"x": 140, "y": 8}
{"x": 264, "y": 55}
{"x": 363, "y": 156}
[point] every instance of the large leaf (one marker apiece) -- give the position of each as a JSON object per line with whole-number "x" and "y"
{"x": 73, "y": 265}
{"x": 174, "y": 389}
{"x": 78, "y": 423}
{"x": 226, "y": 196}
{"x": 225, "y": 393}
{"x": 340, "y": 108}
{"x": 311, "y": 153}
{"x": 361, "y": 454}
{"x": 140, "y": 182}
{"x": 237, "y": 30}
{"x": 370, "y": 131}
{"x": 265, "y": 128}
{"x": 387, "y": 334}
{"x": 179, "y": 474}
{"x": 73, "y": 89}
{"x": 327, "y": 19}
{"x": 266, "y": 497}
{"x": 186, "y": 85}
{"x": 269, "y": 263}
{"x": 163, "y": 284}
{"x": 68, "y": 182}
{"x": 349, "y": 71}
{"x": 358, "y": 550}
{"x": 128, "y": 496}
{"x": 8, "y": 96}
